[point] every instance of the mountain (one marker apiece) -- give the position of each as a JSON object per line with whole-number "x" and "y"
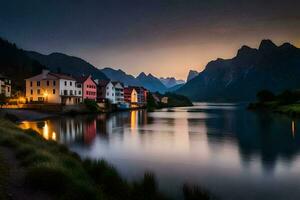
{"x": 58, "y": 62}
{"x": 270, "y": 67}
{"x": 148, "y": 81}
{"x": 119, "y": 75}
{"x": 174, "y": 88}
{"x": 171, "y": 81}
{"x": 16, "y": 65}
{"x": 192, "y": 74}
{"x": 151, "y": 83}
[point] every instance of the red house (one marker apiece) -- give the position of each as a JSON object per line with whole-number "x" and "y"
{"x": 89, "y": 87}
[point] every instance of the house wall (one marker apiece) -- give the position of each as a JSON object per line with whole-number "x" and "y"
{"x": 48, "y": 91}
{"x": 110, "y": 92}
{"x": 119, "y": 93}
{"x": 89, "y": 89}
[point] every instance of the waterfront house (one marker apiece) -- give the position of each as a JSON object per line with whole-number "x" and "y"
{"x": 49, "y": 87}
{"x": 89, "y": 87}
{"x": 141, "y": 95}
{"x": 130, "y": 95}
{"x": 111, "y": 91}
{"x": 5, "y": 86}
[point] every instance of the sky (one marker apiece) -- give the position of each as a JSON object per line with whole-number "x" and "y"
{"x": 162, "y": 37}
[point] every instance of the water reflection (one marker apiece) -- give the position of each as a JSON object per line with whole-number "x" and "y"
{"x": 222, "y": 146}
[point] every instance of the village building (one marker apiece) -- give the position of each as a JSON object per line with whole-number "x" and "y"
{"x": 111, "y": 91}
{"x": 5, "y": 86}
{"x": 130, "y": 95}
{"x": 49, "y": 87}
{"x": 89, "y": 87}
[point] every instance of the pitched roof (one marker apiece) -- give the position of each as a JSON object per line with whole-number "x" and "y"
{"x": 50, "y": 76}
{"x": 103, "y": 83}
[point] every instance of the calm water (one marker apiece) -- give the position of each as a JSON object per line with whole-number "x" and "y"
{"x": 234, "y": 153}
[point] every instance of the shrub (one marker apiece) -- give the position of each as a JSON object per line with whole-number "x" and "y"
{"x": 265, "y": 96}
{"x": 192, "y": 192}
{"x": 91, "y": 105}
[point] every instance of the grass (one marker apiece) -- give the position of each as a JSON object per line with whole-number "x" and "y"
{"x": 3, "y": 178}
{"x": 275, "y": 106}
{"x": 53, "y": 169}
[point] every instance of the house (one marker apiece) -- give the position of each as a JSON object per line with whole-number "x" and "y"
{"x": 141, "y": 95}
{"x": 164, "y": 100}
{"x": 130, "y": 95}
{"x": 89, "y": 87}
{"x": 5, "y": 86}
{"x": 112, "y": 91}
{"x": 49, "y": 87}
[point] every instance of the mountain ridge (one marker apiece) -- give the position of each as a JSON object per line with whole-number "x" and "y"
{"x": 271, "y": 67}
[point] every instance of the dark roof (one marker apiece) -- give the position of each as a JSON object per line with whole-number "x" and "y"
{"x": 103, "y": 83}
{"x": 81, "y": 79}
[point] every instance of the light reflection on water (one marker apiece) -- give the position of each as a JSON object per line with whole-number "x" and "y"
{"x": 235, "y": 153}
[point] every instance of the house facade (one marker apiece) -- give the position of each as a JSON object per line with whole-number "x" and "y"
{"x": 130, "y": 95}
{"x": 112, "y": 91}
{"x": 49, "y": 87}
{"x": 89, "y": 87}
{"x": 5, "y": 86}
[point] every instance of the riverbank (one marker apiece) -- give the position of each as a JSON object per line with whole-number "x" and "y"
{"x": 292, "y": 110}
{"x": 48, "y": 170}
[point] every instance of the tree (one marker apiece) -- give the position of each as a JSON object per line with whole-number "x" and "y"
{"x": 265, "y": 96}
{"x": 3, "y": 100}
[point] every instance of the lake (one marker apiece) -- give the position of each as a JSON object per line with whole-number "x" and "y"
{"x": 234, "y": 153}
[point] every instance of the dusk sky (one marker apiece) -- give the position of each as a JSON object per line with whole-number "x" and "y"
{"x": 162, "y": 37}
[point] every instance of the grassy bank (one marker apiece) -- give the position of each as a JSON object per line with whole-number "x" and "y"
{"x": 51, "y": 168}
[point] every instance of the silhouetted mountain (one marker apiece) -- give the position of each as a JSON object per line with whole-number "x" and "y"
{"x": 170, "y": 81}
{"x": 119, "y": 75}
{"x": 192, "y": 74}
{"x": 174, "y": 88}
{"x": 58, "y": 62}
{"x": 151, "y": 83}
{"x": 16, "y": 65}
{"x": 271, "y": 67}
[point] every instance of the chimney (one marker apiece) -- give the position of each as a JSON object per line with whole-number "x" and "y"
{"x": 45, "y": 72}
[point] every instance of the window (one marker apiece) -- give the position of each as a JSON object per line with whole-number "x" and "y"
{"x": 79, "y": 92}
{"x": 31, "y": 92}
{"x": 75, "y": 92}
{"x": 38, "y": 91}
{"x": 53, "y": 91}
{"x": 30, "y": 83}
{"x": 107, "y": 94}
{"x": 38, "y": 83}
{"x": 87, "y": 92}
{"x": 8, "y": 89}
{"x": 47, "y": 83}
{"x": 65, "y": 83}
{"x": 70, "y": 83}
{"x": 54, "y": 83}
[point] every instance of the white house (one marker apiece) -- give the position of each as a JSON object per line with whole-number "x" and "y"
{"x": 112, "y": 91}
{"x": 5, "y": 86}
{"x": 49, "y": 87}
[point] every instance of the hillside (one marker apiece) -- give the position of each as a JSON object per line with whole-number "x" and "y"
{"x": 271, "y": 67}
{"x": 16, "y": 65}
{"x": 63, "y": 63}
{"x": 119, "y": 75}
{"x": 151, "y": 83}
